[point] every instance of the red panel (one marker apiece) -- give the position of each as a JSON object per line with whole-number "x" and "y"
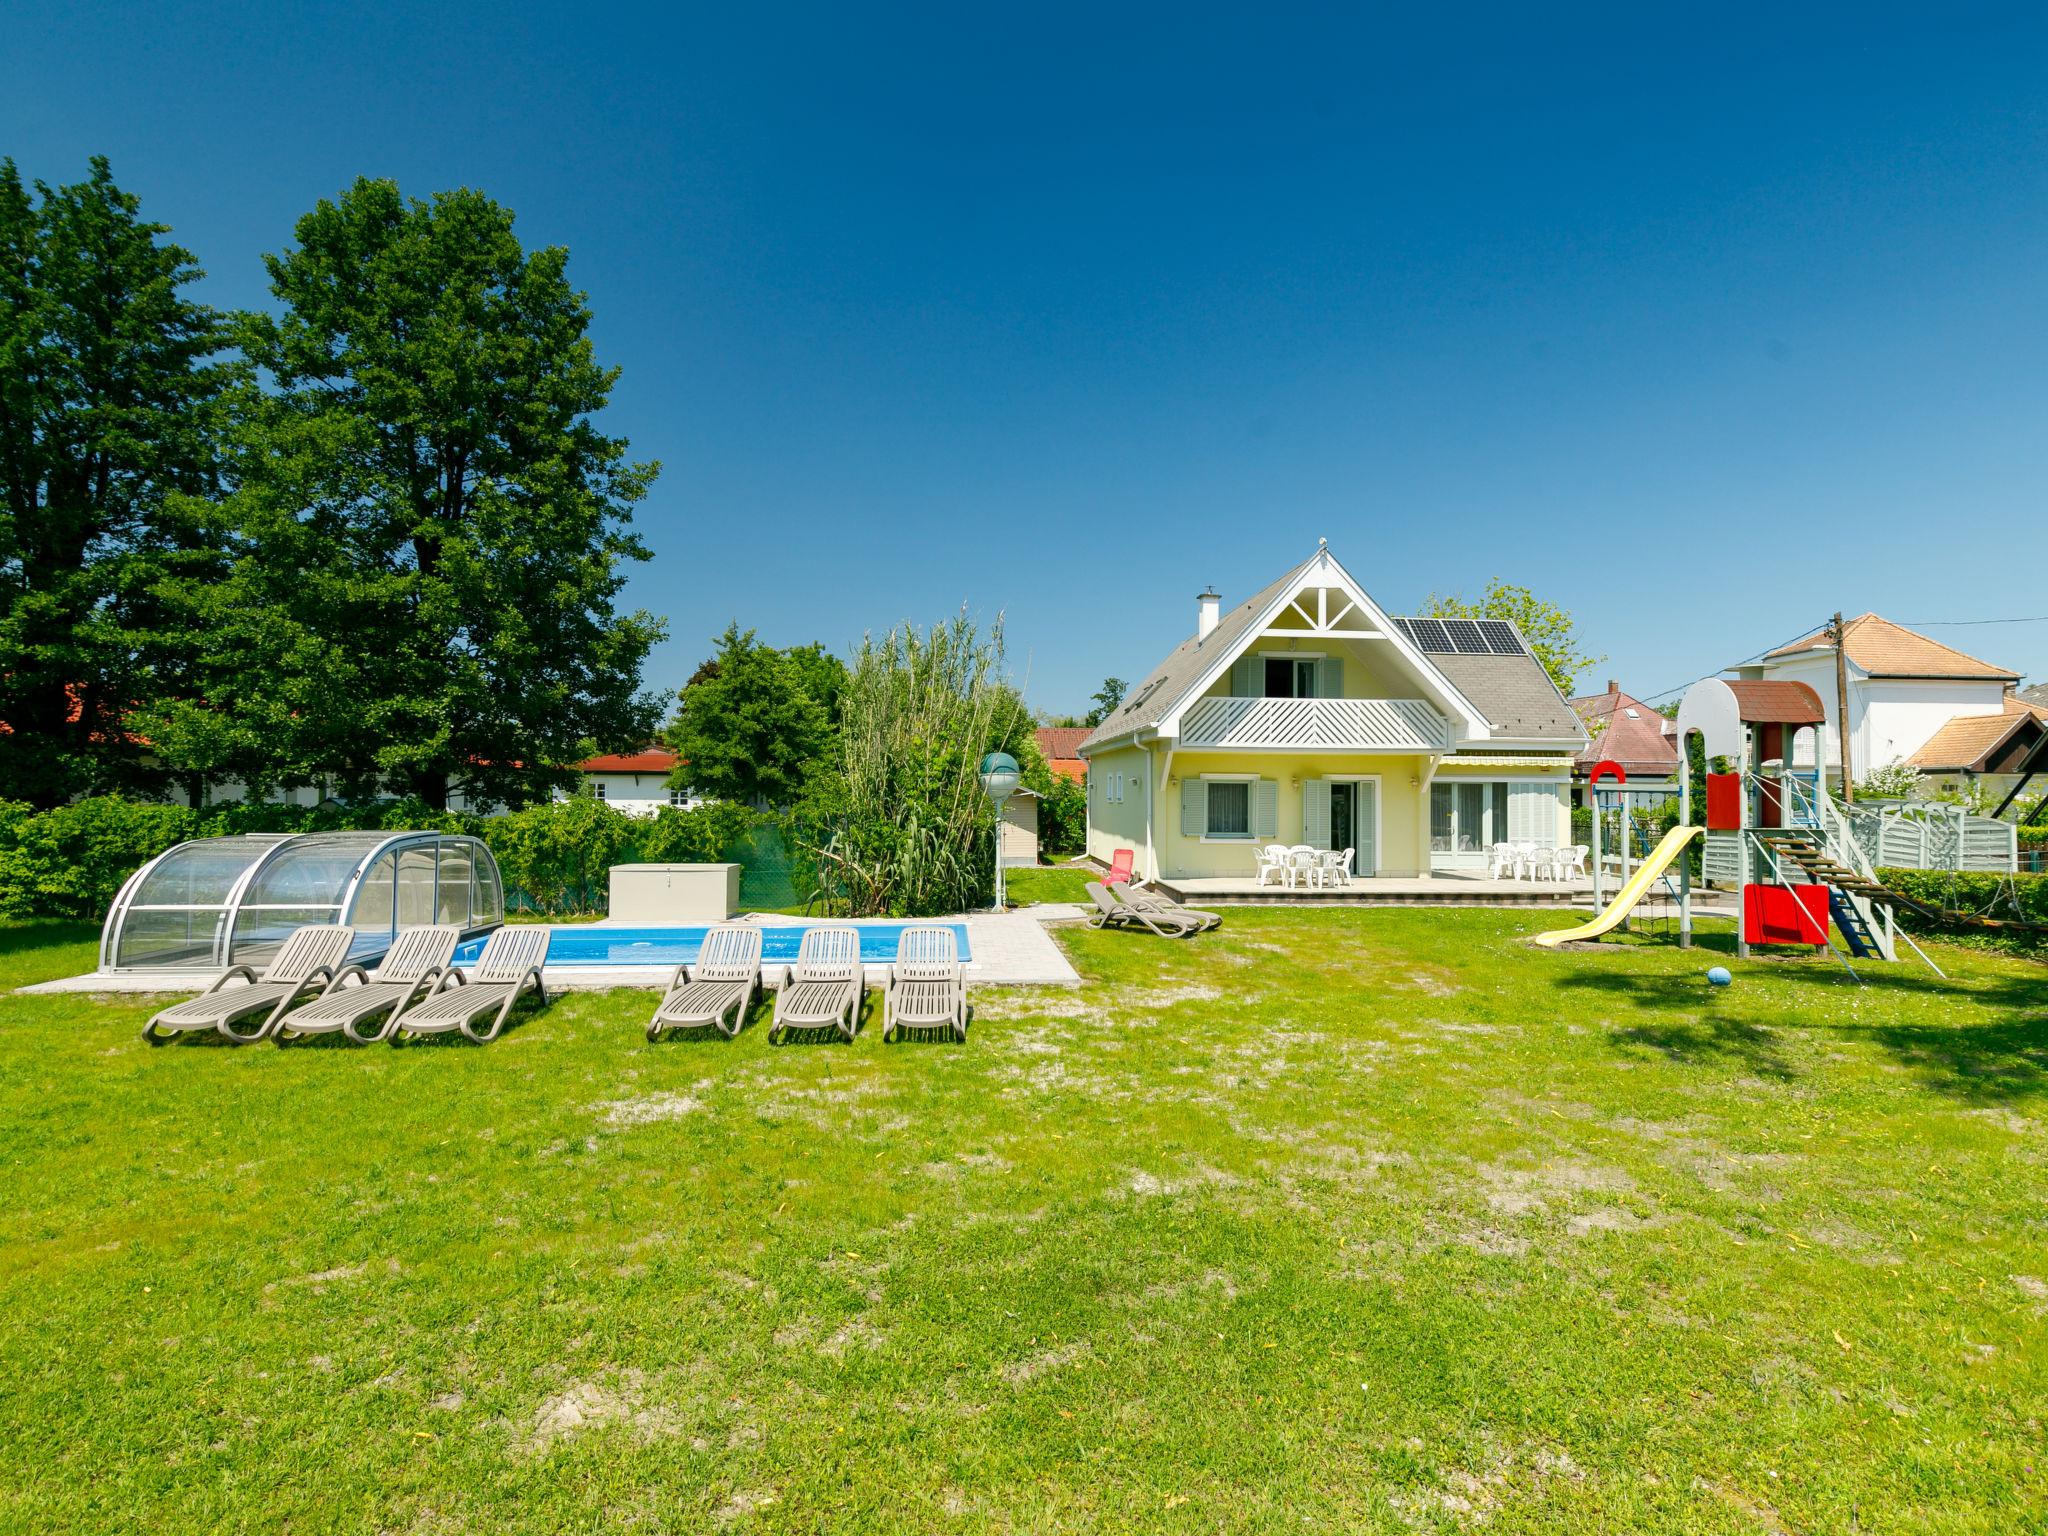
{"x": 1778, "y": 914}
{"x": 1724, "y": 802}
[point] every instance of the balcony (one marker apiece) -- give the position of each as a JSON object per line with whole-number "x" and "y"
{"x": 1348, "y": 725}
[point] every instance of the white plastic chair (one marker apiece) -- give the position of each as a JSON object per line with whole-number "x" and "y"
{"x": 1335, "y": 867}
{"x": 1500, "y": 861}
{"x": 1272, "y": 862}
{"x": 1303, "y": 862}
{"x": 1542, "y": 863}
{"x": 1571, "y": 862}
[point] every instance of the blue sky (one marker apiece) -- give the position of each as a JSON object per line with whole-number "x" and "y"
{"x": 1703, "y": 324}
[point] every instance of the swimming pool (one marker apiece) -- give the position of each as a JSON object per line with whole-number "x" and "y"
{"x": 598, "y": 945}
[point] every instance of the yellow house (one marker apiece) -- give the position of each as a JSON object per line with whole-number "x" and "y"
{"x": 1308, "y": 715}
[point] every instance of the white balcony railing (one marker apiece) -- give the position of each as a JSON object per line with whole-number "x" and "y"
{"x": 1355, "y": 725}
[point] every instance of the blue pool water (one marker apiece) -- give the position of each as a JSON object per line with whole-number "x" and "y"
{"x": 672, "y": 946}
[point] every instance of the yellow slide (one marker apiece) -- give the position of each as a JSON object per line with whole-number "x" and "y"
{"x": 1639, "y": 883}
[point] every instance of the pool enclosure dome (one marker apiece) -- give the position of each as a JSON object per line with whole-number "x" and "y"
{"x": 221, "y": 901}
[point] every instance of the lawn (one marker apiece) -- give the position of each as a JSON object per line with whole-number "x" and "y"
{"x": 1053, "y": 882}
{"x": 1335, "y": 1221}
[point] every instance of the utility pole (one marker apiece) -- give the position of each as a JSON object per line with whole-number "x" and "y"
{"x": 1842, "y": 710}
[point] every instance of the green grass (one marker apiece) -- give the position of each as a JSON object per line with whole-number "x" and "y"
{"x": 1334, "y": 1221}
{"x": 1062, "y": 882}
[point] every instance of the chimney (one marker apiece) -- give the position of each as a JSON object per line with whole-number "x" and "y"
{"x": 1613, "y": 686}
{"x": 1208, "y": 609}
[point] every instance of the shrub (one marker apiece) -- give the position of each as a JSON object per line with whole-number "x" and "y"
{"x": 2011, "y": 898}
{"x": 903, "y": 826}
{"x": 554, "y": 857}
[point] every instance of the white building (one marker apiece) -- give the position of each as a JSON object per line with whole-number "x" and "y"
{"x": 1912, "y": 700}
{"x": 635, "y": 782}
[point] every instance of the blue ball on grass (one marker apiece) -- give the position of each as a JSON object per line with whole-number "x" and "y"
{"x": 1719, "y": 977}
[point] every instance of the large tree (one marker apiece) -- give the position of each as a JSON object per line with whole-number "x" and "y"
{"x": 426, "y": 491}
{"x": 1552, "y": 633}
{"x": 108, "y": 383}
{"x": 755, "y": 723}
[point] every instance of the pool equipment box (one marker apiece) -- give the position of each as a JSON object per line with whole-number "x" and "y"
{"x": 674, "y": 893}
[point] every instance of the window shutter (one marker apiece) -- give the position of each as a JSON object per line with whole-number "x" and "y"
{"x": 1248, "y": 677}
{"x": 1315, "y": 813}
{"x": 1266, "y": 808}
{"x": 1194, "y": 808}
{"x": 1330, "y": 677}
{"x": 1532, "y": 814}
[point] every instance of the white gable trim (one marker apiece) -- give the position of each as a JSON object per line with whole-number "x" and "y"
{"x": 1324, "y": 570}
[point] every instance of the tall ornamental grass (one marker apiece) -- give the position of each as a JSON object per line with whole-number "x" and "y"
{"x": 905, "y": 830}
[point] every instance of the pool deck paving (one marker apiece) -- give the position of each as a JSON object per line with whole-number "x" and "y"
{"x": 1007, "y": 949}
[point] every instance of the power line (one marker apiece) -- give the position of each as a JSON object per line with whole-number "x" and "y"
{"x": 1759, "y": 656}
{"x": 1955, "y": 623}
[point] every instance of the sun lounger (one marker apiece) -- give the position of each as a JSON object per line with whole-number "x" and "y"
{"x": 824, "y": 987}
{"x": 718, "y": 989}
{"x": 410, "y": 969}
{"x": 306, "y": 961}
{"x": 1165, "y": 906}
{"x": 1111, "y": 913}
{"x": 512, "y": 958}
{"x": 926, "y": 988}
{"x": 1120, "y": 866}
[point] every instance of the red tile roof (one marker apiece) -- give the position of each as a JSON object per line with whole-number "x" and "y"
{"x": 652, "y": 760}
{"x": 1060, "y": 746}
{"x": 1633, "y": 735}
{"x": 1885, "y": 649}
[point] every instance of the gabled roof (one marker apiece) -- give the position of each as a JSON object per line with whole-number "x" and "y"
{"x": 651, "y": 760}
{"x": 1056, "y": 742}
{"x": 1884, "y": 649}
{"x": 1513, "y": 694}
{"x": 1969, "y": 742}
{"x": 1169, "y": 682}
{"x": 1632, "y": 734}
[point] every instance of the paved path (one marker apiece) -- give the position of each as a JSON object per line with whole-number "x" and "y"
{"x": 1009, "y": 949}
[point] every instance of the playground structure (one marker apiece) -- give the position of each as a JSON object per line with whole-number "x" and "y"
{"x": 1803, "y": 865}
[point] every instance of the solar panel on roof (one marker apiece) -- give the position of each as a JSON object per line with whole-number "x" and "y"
{"x": 1428, "y": 634}
{"x": 1500, "y": 637}
{"x": 1465, "y": 637}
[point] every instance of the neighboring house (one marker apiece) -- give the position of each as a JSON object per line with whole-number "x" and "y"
{"x": 1913, "y": 700}
{"x": 1020, "y": 830}
{"x": 1629, "y": 733}
{"x": 1307, "y": 714}
{"x": 635, "y": 782}
{"x": 1060, "y": 746}
{"x": 2036, "y": 695}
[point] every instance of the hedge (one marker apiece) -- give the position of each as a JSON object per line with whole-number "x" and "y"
{"x": 555, "y": 858}
{"x": 2015, "y": 898}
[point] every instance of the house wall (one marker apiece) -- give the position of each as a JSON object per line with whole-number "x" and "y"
{"x": 1116, "y": 804}
{"x": 1889, "y": 718}
{"x": 637, "y": 794}
{"x": 1370, "y": 670}
{"x": 1403, "y": 830}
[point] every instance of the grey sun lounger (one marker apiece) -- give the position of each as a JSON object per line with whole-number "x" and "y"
{"x": 410, "y": 969}
{"x": 1111, "y": 913}
{"x": 926, "y": 988}
{"x": 306, "y": 961}
{"x": 511, "y": 960}
{"x": 1165, "y": 906}
{"x": 824, "y": 987}
{"x": 718, "y": 988}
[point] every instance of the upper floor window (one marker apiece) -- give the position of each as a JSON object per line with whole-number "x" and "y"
{"x": 599, "y": 789}
{"x": 1290, "y": 677}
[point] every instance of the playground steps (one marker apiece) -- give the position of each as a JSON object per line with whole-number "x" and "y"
{"x": 1855, "y": 932}
{"x": 1800, "y": 848}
